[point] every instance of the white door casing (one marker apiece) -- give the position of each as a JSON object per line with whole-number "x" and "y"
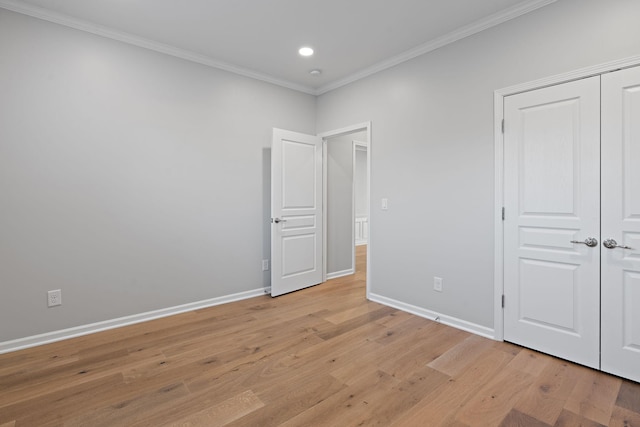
{"x": 296, "y": 211}
{"x": 621, "y": 222}
{"x": 551, "y": 197}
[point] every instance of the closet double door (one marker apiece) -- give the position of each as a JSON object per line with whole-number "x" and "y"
{"x": 572, "y": 221}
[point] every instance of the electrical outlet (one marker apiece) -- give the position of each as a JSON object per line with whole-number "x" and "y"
{"x": 54, "y": 298}
{"x": 265, "y": 265}
{"x": 437, "y": 284}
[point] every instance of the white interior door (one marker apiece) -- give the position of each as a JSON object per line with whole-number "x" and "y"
{"x": 552, "y": 197}
{"x": 296, "y": 211}
{"x": 621, "y": 222}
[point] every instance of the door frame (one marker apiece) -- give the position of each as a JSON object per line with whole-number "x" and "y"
{"x": 498, "y": 117}
{"x": 360, "y": 127}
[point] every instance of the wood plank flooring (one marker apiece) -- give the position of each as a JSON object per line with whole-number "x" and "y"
{"x": 323, "y": 356}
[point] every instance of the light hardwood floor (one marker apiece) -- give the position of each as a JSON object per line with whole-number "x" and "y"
{"x": 323, "y": 356}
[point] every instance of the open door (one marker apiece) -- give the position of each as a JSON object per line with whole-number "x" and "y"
{"x": 296, "y": 211}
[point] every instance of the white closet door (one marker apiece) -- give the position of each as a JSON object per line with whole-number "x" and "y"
{"x": 552, "y": 197}
{"x": 621, "y": 222}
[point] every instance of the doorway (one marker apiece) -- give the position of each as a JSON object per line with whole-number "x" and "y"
{"x": 346, "y": 201}
{"x": 299, "y": 202}
{"x": 347, "y": 152}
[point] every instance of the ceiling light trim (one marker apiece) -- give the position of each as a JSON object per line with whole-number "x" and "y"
{"x": 121, "y": 36}
{"x": 466, "y": 31}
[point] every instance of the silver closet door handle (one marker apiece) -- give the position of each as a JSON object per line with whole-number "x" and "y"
{"x": 589, "y": 241}
{"x": 278, "y": 220}
{"x": 612, "y": 244}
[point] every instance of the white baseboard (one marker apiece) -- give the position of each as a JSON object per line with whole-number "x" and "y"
{"x": 49, "y": 337}
{"x": 432, "y": 315}
{"x": 337, "y": 274}
{"x": 361, "y": 242}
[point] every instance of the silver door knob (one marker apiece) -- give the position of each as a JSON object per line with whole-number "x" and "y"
{"x": 612, "y": 244}
{"x": 589, "y": 241}
{"x": 278, "y": 220}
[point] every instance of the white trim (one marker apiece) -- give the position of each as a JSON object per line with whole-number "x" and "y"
{"x": 437, "y": 317}
{"x": 466, "y": 31}
{"x": 366, "y": 127}
{"x": 99, "y": 30}
{"x": 359, "y": 127}
{"x": 498, "y": 114}
{"x": 581, "y": 73}
{"x": 342, "y": 273}
{"x": 50, "y": 337}
{"x": 498, "y": 272}
{"x": 369, "y": 186}
{"x": 325, "y": 195}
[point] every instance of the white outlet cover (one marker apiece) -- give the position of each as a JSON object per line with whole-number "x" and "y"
{"x": 54, "y": 298}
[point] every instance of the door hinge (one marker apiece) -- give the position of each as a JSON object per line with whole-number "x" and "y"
{"x": 502, "y": 301}
{"x": 503, "y": 213}
{"x": 502, "y": 125}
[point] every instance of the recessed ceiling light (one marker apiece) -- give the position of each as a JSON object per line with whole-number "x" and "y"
{"x": 315, "y": 73}
{"x": 305, "y": 51}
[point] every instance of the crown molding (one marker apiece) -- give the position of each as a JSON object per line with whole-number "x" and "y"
{"x": 78, "y": 24}
{"x": 466, "y": 31}
{"x": 582, "y": 73}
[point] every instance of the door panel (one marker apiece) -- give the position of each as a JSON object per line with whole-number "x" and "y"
{"x": 549, "y": 158}
{"x": 539, "y": 280}
{"x": 298, "y": 174}
{"x": 621, "y": 222}
{"x": 296, "y": 203}
{"x": 552, "y": 188}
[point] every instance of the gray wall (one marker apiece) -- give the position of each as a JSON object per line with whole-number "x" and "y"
{"x": 360, "y": 186}
{"x": 432, "y": 145}
{"x": 131, "y": 180}
{"x": 136, "y": 181}
{"x": 340, "y": 202}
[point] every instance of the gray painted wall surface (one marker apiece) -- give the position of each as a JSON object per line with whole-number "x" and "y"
{"x": 136, "y": 181}
{"x": 360, "y": 184}
{"x": 129, "y": 179}
{"x": 432, "y": 145}
{"x": 340, "y": 202}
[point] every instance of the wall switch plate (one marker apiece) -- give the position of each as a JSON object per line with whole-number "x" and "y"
{"x": 54, "y": 298}
{"x": 437, "y": 284}
{"x": 385, "y": 204}
{"x": 265, "y": 265}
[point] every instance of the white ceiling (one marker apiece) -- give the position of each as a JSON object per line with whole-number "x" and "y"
{"x": 260, "y": 38}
